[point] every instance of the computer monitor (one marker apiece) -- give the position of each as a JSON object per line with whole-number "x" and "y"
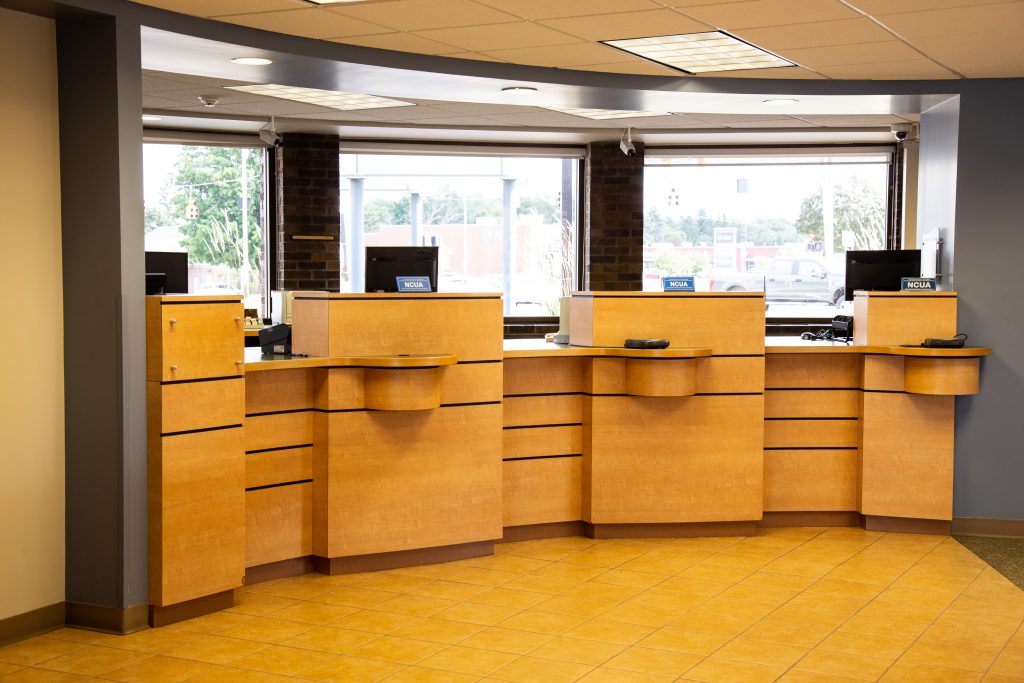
{"x": 880, "y": 270}
{"x": 173, "y": 265}
{"x": 384, "y": 265}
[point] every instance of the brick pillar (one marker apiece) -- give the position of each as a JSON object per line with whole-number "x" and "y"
{"x": 614, "y": 228}
{"x": 307, "y": 205}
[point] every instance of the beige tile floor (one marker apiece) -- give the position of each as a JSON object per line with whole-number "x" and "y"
{"x": 788, "y": 605}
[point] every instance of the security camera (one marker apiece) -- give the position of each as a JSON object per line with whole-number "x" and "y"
{"x": 626, "y": 143}
{"x": 268, "y": 135}
{"x": 902, "y": 130}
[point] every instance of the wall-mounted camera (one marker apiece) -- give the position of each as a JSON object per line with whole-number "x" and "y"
{"x": 902, "y": 130}
{"x": 626, "y": 143}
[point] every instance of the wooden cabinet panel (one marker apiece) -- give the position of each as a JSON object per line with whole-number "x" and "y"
{"x": 538, "y": 410}
{"x": 278, "y": 467}
{"x": 194, "y": 340}
{"x": 811, "y": 480}
{"x": 908, "y": 456}
{"x": 823, "y": 433}
{"x": 278, "y": 524}
{"x": 542, "y": 491}
{"x": 813, "y": 371}
{"x": 883, "y": 373}
{"x": 695, "y": 459}
{"x": 811, "y": 403}
{"x": 894, "y": 318}
{"x": 543, "y": 375}
{"x": 197, "y": 515}
{"x": 398, "y": 481}
{"x": 198, "y": 405}
{"x": 730, "y": 375}
{"x": 471, "y": 383}
{"x": 267, "y": 392}
{"x": 278, "y": 431}
{"x": 942, "y": 376}
{"x": 534, "y": 441}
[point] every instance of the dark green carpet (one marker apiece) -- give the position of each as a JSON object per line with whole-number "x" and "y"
{"x": 1006, "y": 555}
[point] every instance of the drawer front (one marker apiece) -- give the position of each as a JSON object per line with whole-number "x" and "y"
{"x": 542, "y": 491}
{"x": 543, "y": 376}
{"x": 540, "y": 410}
{"x": 200, "y": 405}
{"x": 278, "y": 524}
{"x": 802, "y": 481}
{"x": 820, "y": 433}
{"x": 539, "y": 441}
{"x": 812, "y": 371}
{"x": 201, "y": 340}
{"x": 811, "y": 403}
{"x": 278, "y": 467}
{"x": 278, "y": 431}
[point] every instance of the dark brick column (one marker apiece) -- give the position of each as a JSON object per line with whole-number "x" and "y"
{"x": 307, "y": 206}
{"x": 613, "y": 244}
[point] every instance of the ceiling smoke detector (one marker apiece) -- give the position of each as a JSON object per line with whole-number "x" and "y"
{"x": 209, "y": 101}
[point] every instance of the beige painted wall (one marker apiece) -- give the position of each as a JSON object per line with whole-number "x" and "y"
{"x": 32, "y": 384}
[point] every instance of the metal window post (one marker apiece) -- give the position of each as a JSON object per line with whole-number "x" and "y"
{"x": 357, "y": 254}
{"x": 508, "y": 186}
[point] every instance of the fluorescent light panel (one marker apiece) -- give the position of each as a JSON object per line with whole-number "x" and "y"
{"x": 698, "y": 53}
{"x": 343, "y": 101}
{"x": 605, "y": 114}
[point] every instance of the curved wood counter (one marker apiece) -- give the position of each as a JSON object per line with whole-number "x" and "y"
{"x": 416, "y": 435}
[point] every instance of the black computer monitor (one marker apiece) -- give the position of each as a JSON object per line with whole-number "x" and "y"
{"x": 173, "y": 265}
{"x": 384, "y": 265}
{"x": 880, "y": 270}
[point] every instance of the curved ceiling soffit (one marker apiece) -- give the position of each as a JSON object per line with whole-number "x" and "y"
{"x": 185, "y": 44}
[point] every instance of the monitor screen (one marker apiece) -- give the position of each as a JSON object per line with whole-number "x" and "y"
{"x": 880, "y": 270}
{"x": 385, "y": 264}
{"x": 173, "y": 265}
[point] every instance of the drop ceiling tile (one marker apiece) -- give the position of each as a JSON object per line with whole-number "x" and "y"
{"x": 923, "y": 69}
{"x": 660, "y": 22}
{"x": 476, "y": 56}
{"x": 458, "y": 121}
{"x": 408, "y": 113}
{"x": 404, "y": 42}
{"x": 315, "y": 22}
{"x": 854, "y": 121}
{"x": 275, "y": 108}
{"x": 729, "y": 119}
{"x": 550, "y": 118}
{"x": 559, "y": 55}
{"x": 876, "y": 7}
{"x": 639, "y": 67}
{"x": 758, "y": 13}
{"x": 414, "y": 15}
{"x": 224, "y": 97}
{"x": 498, "y": 36}
{"x": 339, "y": 116}
{"x": 956, "y": 20}
{"x": 156, "y": 102}
{"x": 546, "y": 9}
{"x": 480, "y": 109}
{"x": 782, "y": 73}
{"x": 865, "y": 53}
{"x": 774, "y": 123}
{"x": 205, "y": 8}
{"x": 815, "y": 34}
{"x": 997, "y": 54}
{"x": 184, "y": 81}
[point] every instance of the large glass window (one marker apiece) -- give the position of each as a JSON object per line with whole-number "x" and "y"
{"x": 209, "y": 201}
{"x": 505, "y": 224}
{"x": 773, "y": 222}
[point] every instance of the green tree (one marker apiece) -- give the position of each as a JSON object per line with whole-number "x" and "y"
{"x": 858, "y": 207}
{"x": 383, "y": 211}
{"x": 212, "y": 178}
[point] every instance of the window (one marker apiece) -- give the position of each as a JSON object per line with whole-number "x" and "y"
{"x": 765, "y": 220}
{"x": 503, "y": 223}
{"x": 209, "y": 201}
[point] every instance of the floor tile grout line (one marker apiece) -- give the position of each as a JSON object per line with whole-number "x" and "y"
{"x": 799, "y": 593}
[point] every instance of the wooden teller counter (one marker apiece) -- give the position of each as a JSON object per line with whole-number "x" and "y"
{"x": 410, "y": 433}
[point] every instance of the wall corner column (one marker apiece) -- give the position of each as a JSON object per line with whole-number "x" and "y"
{"x": 613, "y": 245}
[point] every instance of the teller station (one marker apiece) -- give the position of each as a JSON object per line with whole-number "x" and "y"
{"x": 411, "y": 433}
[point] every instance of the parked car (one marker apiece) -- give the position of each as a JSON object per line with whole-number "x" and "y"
{"x": 788, "y": 279}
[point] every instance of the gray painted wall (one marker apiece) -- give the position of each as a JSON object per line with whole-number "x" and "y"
{"x": 990, "y": 236}
{"x": 100, "y": 99}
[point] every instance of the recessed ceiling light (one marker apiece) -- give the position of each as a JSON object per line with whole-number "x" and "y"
{"x": 334, "y": 99}
{"x": 605, "y": 114}
{"x": 519, "y": 90}
{"x": 252, "y": 61}
{"x": 780, "y": 102}
{"x": 700, "y": 52}
{"x": 152, "y": 117}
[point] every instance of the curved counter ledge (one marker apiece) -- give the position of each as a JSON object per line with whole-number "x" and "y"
{"x": 256, "y": 361}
